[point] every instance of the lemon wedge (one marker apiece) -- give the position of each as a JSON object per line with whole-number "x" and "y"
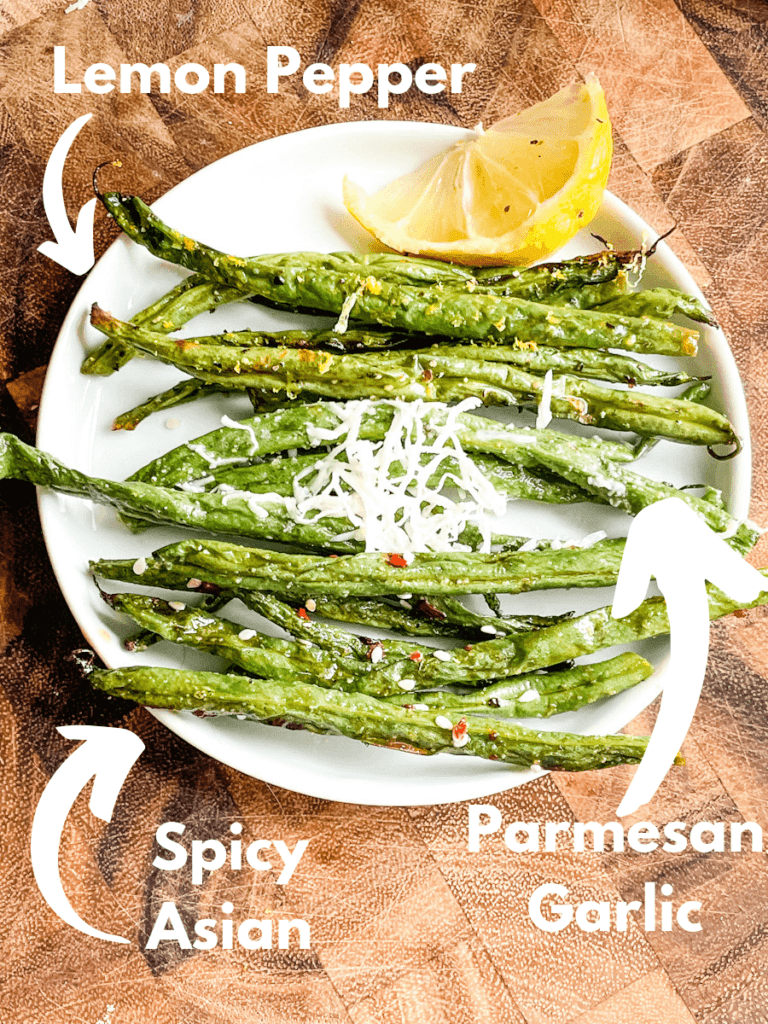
{"x": 512, "y": 194}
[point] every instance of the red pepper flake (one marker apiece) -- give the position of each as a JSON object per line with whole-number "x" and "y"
{"x": 460, "y": 728}
{"x": 469, "y": 647}
{"x": 397, "y": 560}
{"x": 492, "y": 735}
{"x": 416, "y": 656}
{"x": 427, "y": 375}
{"x": 302, "y": 613}
{"x": 333, "y": 556}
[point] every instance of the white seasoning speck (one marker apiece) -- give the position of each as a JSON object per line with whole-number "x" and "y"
{"x": 528, "y": 696}
{"x": 407, "y": 684}
{"x": 193, "y": 584}
{"x": 178, "y": 606}
{"x": 490, "y": 630}
{"x": 246, "y": 634}
{"x": 311, "y": 605}
{"x": 140, "y": 566}
{"x": 172, "y": 423}
{"x": 442, "y": 655}
{"x": 443, "y": 723}
{"x": 376, "y": 655}
{"x": 460, "y": 741}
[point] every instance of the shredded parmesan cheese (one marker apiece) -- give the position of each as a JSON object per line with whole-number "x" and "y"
{"x": 392, "y": 491}
{"x": 347, "y": 306}
{"x": 544, "y": 415}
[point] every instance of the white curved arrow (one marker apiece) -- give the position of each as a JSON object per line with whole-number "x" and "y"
{"x": 668, "y": 540}
{"x": 72, "y": 249}
{"x": 106, "y": 756}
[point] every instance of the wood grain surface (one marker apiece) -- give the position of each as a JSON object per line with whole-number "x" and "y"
{"x": 406, "y": 925}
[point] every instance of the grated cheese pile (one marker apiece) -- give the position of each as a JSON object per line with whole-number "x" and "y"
{"x": 391, "y": 491}
{"x": 384, "y": 488}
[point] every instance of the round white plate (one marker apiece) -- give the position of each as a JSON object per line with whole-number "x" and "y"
{"x": 278, "y": 195}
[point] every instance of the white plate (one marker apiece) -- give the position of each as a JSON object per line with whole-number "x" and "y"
{"x": 278, "y": 195}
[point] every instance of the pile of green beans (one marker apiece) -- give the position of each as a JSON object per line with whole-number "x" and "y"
{"x": 492, "y": 333}
{"x": 405, "y": 329}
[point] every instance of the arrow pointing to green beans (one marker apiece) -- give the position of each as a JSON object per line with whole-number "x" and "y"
{"x": 72, "y": 249}
{"x": 670, "y": 542}
{"x": 106, "y": 757}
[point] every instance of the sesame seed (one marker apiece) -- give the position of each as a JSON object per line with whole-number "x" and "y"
{"x": 246, "y": 634}
{"x": 377, "y": 654}
{"x": 173, "y": 423}
{"x": 419, "y": 707}
{"x": 140, "y": 566}
{"x": 528, "y": 696}
{"x": 310, "y": 605}
{"x": 460, "y": 741}
{"x": 178, "y": 606}
{"x": 193, "y": 584}
{"x": 443, "y": 723}
{"x": 404, "y": 597}
{"x": 442, "y": 655}
{"x": 407, "y": 684}
{"x": 491, "y": 630}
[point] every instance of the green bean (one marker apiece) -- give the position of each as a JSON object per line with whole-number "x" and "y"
{"x": 188, "y": 390}
{"x": 304, "y": 279}
{"x": 661, "y": 303}
{"x": 191, "y": 296}
{"x": 587, "y": 363}
{"x": 539, "y": 695}
{"x": 592, "y": 364}
{"x": 426, "y": 616}
{"x": 372, "y": 574}
{"x": 365, "y": 718}
{"x": 151, "y": 505}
